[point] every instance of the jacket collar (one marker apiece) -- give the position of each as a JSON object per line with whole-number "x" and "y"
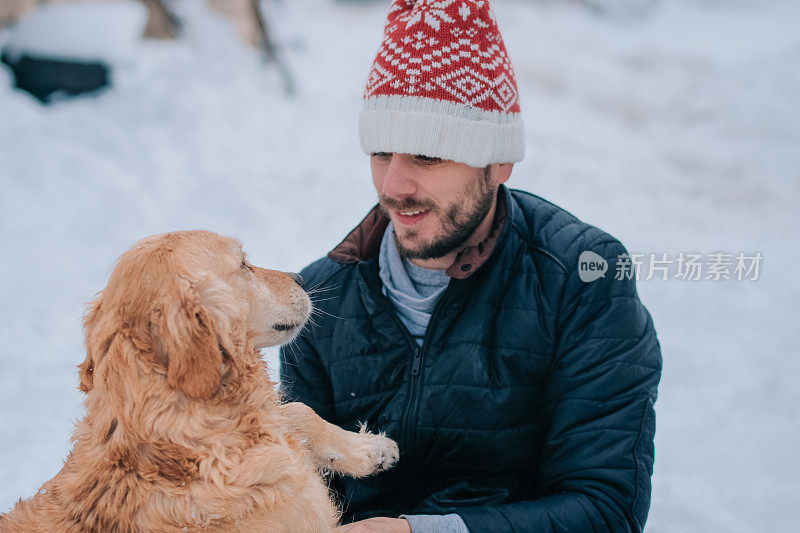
{"x": 364, "y": 241}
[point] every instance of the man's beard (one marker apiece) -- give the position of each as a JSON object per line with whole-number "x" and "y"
{"x": 459, "y": 220}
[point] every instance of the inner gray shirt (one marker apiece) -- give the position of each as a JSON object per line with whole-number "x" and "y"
{"x": 413, "y": 290}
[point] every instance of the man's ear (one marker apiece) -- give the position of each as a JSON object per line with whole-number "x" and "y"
{"x": 187, "y": 335}
{"x": 501, "y": 172}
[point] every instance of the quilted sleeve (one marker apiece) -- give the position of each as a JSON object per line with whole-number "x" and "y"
{"x": 303, "y": 375}
{"x": 302, "y": 372}
{"x": 597, "y": 455}
{"x": 303, "y": 378}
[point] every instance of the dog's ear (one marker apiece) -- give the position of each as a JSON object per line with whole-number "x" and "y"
{"x": 187, "y": 335}
{"x": 93, "y": 344}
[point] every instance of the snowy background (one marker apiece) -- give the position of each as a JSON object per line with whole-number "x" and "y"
{"x": 676, "y": 130}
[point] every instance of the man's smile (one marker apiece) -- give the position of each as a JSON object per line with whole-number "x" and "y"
{"x": 410, "y": 217}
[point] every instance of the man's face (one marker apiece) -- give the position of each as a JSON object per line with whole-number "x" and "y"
{"x": 435, "y": 205}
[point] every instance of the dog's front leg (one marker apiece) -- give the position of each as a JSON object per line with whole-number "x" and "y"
{"x": 333, "y": 448}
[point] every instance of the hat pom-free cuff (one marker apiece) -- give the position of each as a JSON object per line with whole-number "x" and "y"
{"x": 438, "y": 128}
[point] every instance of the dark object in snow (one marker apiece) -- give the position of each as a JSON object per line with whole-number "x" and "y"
{"x": 44, "y": 78}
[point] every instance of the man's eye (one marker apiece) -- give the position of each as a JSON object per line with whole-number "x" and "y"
{"x": 381, "y": 154}
{"x": 427, "y": 159}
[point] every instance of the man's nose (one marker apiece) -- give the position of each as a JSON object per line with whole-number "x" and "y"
{"x": 398, "y": 182}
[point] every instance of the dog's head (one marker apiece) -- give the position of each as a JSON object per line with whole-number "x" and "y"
{"x": 189, "y": 300}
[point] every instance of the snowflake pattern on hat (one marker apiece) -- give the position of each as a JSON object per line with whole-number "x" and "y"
{"x": 445, "y": 49}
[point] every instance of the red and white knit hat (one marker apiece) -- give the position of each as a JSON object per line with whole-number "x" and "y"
{"x": 442, "y": 85}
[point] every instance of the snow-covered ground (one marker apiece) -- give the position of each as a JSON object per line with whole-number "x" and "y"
{"x": 679, "y": 131}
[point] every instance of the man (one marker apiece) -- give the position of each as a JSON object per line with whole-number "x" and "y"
{"x": 456, "y": 317}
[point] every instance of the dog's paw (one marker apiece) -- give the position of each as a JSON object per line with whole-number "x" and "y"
{"x": 382, "y": 451}
{"x": 367, "y": 454}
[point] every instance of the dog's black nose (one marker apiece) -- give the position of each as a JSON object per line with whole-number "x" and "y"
{"x": 297, "y": 278}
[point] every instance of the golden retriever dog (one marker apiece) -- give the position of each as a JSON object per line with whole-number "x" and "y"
{"x": 183, "y": 430}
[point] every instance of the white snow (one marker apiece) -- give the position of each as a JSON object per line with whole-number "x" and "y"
{"x": 675, "y": 131}
{"x": 89, "y": 30}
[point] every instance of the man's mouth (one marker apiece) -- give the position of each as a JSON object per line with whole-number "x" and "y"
{"x": 409, "y": 217}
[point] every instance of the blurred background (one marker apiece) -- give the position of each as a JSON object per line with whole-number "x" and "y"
{"x": 673, "y": 124}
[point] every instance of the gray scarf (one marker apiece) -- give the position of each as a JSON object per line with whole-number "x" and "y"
{"x": 413, "y": 290}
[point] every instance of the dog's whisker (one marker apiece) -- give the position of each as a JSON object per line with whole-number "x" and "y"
{"x": 312, "y": 321}
{"x": 320, "y": 288}
{"x": 292, "y": 348}
{"x": 328, "y": 314}
{"x": 286, "y": 361}
{"x": 292, "y": 345}
{"x": 325, "y": 318}
{"x": 316, "y": 293}
{"x": 316, "y": 300}
{"x": 319, "y": 285}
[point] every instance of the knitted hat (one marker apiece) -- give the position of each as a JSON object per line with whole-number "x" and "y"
{"x": 443, "y": 86}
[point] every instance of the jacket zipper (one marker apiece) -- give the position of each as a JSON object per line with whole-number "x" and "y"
{"x": 408, "y": 434}
{"x": 417, "y": 361}
{"x": 415, "y": 381}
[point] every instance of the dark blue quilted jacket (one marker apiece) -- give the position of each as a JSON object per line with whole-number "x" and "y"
{"x": 529, "y": 406}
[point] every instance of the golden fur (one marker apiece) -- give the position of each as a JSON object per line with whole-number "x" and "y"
{"x": 183, "y": 430}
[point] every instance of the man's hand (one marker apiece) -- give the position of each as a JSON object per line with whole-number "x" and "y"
{"x": 377, "y": 525}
